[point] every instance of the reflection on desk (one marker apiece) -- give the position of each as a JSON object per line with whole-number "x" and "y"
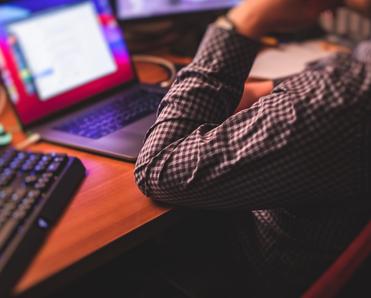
{"x": 107, "y": 216}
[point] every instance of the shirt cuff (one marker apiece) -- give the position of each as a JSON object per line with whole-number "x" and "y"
{"x": 226, "y": 54}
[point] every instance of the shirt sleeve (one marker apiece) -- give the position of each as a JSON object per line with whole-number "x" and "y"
{"x": 303, "y": 140}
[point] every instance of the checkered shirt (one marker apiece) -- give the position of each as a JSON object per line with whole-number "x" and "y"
{"x": 293, "y": 169}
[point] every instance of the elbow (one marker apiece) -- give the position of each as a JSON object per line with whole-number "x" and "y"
{"x": 151, "y": 186}
{"x": 159, "y": 190}
{"x": 140, "y": 179}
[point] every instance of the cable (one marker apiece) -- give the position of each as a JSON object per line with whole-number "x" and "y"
{"x": 2, "y": 99}
{"x": 32, "y": 139}
{"x": 168, "y": 65}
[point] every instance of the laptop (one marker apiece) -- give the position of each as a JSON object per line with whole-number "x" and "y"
{"x": 70, "y": 78}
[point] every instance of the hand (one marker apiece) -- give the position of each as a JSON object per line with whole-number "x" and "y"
{"x": 254, "y": 18}
{"x": 253, "y": 92}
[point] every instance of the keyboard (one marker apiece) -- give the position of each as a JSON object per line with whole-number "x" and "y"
{"x": 34, "y": 190}
{"x": 113, "y": 116}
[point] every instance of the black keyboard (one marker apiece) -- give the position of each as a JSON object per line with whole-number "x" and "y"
{"x": 34, "y": 189}
{"x": 113, "y": 116}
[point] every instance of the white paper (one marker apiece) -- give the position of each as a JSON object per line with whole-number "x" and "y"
{"x": 287, "y": 60}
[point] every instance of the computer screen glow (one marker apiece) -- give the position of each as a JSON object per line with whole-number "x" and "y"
{"x": 56, "y": 53}
{"x": 135, "y": 9}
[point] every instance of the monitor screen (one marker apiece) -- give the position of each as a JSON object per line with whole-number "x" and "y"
{"x": 56, "y": 53}
{"x": 139, "y": 9}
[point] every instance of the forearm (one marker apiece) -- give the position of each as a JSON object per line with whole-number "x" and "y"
{"x": 284, "y": 150}
{"x": 207, "y": 91}
{"x": 199, "y": 155}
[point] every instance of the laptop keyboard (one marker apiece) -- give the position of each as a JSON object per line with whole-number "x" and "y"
{"x": 113, "y": 116}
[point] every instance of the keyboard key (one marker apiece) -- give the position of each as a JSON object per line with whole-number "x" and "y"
{"x": 54, "y": 167}
{"x": 113, "y": 116}
{"x": 30, "y": 180}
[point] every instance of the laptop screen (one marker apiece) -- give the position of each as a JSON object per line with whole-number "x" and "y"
{"x": 139, "y": 9}
{"x": 56, "y": 53}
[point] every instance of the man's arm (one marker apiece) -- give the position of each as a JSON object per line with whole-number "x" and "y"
{"x": 292, "y": 146}
{"x": 203, "y": 96}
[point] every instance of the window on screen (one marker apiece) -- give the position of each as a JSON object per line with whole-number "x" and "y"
{"x": 64, "y": 49}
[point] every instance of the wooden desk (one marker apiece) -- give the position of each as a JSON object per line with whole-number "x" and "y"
{"x": 107, "y": 216}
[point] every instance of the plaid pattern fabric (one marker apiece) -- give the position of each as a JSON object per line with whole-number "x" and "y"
{"x": 296, "y": 162}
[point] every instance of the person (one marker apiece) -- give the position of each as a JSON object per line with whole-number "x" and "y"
{"x": 289, "y": 167}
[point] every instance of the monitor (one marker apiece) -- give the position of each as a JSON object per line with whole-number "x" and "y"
{"x": 57, "y": 53}
{"x": 142, "y": 9}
